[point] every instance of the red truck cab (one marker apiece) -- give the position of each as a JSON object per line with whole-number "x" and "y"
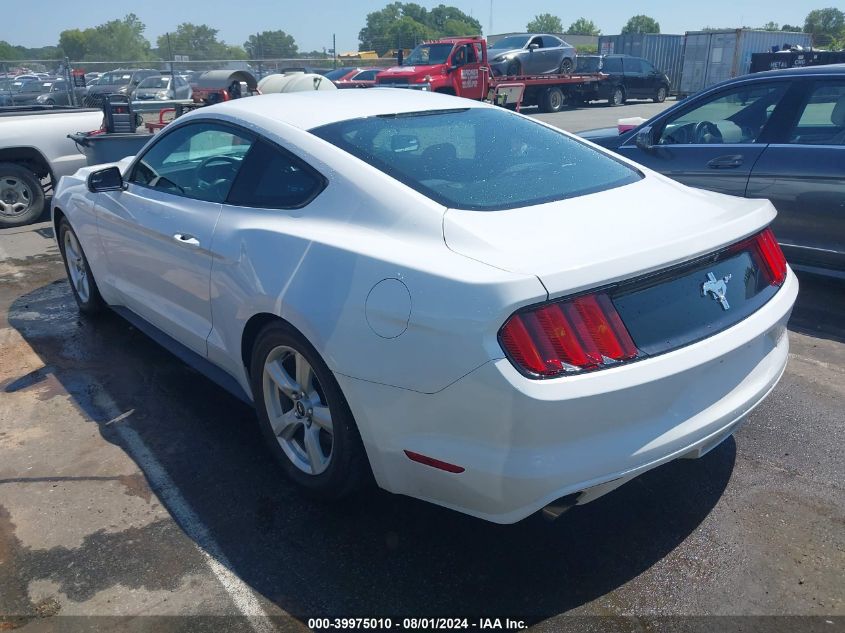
{"x": 454, "y": 65}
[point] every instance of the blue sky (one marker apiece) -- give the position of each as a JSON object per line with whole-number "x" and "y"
{"x": 312, "y": 23}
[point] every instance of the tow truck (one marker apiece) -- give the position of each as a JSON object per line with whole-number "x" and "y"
{"x": 459, "y": 66}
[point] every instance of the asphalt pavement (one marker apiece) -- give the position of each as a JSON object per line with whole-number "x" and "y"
{"x": 131, "y": 486}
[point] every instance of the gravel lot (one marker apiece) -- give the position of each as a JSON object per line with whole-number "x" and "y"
{"x": 130, "y": 485}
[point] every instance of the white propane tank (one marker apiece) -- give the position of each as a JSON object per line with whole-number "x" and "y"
{"x": 294, "y": 82}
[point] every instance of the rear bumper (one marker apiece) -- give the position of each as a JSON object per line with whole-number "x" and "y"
{"x": 524, "y": 443}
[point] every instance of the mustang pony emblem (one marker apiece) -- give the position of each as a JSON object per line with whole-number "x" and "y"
{"x": 717, "y": 288}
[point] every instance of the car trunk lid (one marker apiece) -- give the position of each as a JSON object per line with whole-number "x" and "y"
{"x": 598, "y": 239}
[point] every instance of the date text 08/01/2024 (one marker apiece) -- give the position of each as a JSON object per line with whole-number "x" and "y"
{"x": 410, "y": 624}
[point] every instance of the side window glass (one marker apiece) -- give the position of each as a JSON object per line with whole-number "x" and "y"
{"x": 550, "y": 42}
{"x": 471, "y": 56}
{"x": 822, "y": 119}
{"x": 647, "y": 67}
{"x": 366, "y": 75}
{"x": 737, "y": 115}
{"x": 274, "y": 179}
{"x": 538, "y": 41}
{"x": 612, "y": 65}
{"x": 198, "y": 161}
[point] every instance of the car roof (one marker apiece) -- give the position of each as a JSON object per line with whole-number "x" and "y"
{"x": 307, "y": 110}
{"x": 827, "y": 69}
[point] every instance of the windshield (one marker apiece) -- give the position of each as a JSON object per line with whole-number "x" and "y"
{"x": 478, "y": 158}
{"x": 508, "y": 43}
{"x": 155, "y": 82}
{"x": 428, "y": 54}
{"x": 587, "y": 64}
{"x": 337, "y": 73}
{"x": 115, "y": 79}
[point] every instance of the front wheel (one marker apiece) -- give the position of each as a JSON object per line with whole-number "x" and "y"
{"x": 82, "y": 283}
{"x": 660, "y": 95}
{"x": 21, "y": 196}
{"x": 514, "y": 69}
{"x": 303, "y": 415}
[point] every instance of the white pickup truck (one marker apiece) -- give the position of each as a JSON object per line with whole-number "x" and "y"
{"x": 34, "y": 153}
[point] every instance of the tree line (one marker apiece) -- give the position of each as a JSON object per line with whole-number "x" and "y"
{"x": 124, "y": 40}
{"x": 397, "y": 25}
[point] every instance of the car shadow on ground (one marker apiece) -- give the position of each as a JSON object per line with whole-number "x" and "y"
{"x": 820, "y": 309}
{"x": 378, "y": 554}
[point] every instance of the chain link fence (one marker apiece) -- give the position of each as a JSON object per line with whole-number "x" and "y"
{"x": 63, "y": 82}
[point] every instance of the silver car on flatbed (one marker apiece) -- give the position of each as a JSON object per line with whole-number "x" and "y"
{"x": 531, "y": 54}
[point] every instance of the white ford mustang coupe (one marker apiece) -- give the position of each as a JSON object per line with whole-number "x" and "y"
{"x": 467, "y": 305}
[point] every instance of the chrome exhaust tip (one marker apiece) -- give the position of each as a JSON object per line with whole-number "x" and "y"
{"x": 558, "y": 507}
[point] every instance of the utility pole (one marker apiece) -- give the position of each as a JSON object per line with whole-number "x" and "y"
{"x": 490, "y": 31}
{"x": 334, "y": 48}
{"x": 170, "y": 53}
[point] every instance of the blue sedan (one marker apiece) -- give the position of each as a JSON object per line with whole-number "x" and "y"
{"x": 778, "y": 135}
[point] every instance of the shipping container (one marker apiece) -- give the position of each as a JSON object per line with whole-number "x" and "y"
{"x": 665, "y": 51}
{"x": 714, "y": 56}
{"x": 794, "y": 59}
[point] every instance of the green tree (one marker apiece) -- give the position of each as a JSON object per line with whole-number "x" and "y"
{"x": 545, "y": 23}
{"x": 8, "y": 52}
{"x": 117, "y": 40}
{"x": 827, "y": 26}
{"x": 405, "y": 24}
{"x": 583, "y": 26}
{"x": 73, "y": 43}
{"x": 790, "y": 28}
{"x": 271, "y": 45}
{"x": 197, "y": 41}
{"x": 770, "y": 26}
{"x": 641, "y": 24}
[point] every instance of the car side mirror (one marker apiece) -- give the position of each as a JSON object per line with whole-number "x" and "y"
{"x": 645, "y": 139}
{"x": 534, "y": 46}
{"x": 108, "y": 179}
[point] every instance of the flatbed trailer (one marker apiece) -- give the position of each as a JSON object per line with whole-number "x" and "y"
{"x": 459, "y": 66}
{"x": 549, "y": 92}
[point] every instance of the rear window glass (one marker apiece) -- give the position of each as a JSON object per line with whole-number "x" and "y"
{"x": 478, "y": 158}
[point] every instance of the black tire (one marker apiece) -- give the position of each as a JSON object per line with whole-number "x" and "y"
{"x": 566, "y": 66}
{"x": 348, "y": 469}
{"x": 514, "y": 68}
{"x": 21, "y": 196}
{"x": 552, "y": 100}
{"x": 617, "y": 97}
{"x": 91, "y": 302}
{"x": 660, "y": 95}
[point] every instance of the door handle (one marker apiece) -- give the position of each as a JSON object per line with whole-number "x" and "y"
{"x": 187, "y": 240}
{"x": 726, "y": 162}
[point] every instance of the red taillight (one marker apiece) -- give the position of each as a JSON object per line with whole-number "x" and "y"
{"x": 772, "y": 256}
{"x": 567, "y": 336}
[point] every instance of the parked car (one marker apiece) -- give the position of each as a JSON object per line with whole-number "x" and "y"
{"x": 531, "y": 54}
{"x": 778, "y": 135}
{"x": 358, "y": 78}
{"x": 35, "y": 153}
{"x": 59, "y": 94}
{"x": 162, "y": 88}
{"x": 340, "y": 73}
{"x": 121, "y": 81}
{"x": 27, "y": 92}
{"x": 629, "y": 78}
{"x": 468, "y": 305}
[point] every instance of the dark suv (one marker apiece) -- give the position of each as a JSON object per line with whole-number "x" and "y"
{"x": 629, "y": 78}
{"x": 120, "y": 81}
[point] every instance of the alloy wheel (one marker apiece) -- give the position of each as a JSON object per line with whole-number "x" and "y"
{"x": 77, "y": 269}
{"x": 297, "y": 409}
